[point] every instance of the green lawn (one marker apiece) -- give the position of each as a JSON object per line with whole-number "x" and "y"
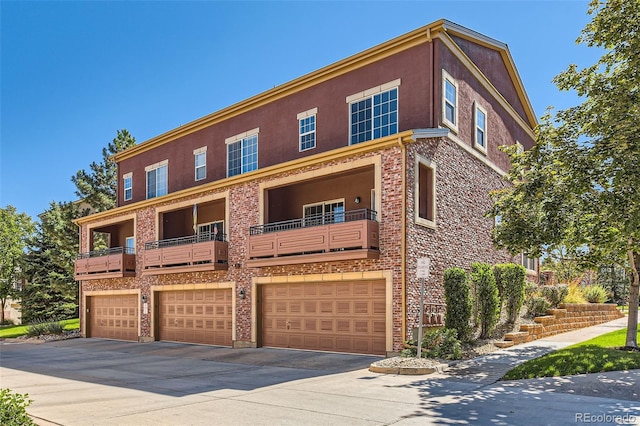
{"x": 592, "y": 356}
{"x": 21, "y": 330}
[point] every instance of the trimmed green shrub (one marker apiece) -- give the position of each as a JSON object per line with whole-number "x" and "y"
{"x": 13, "y": 408}
{"x": 511, "y": 282}
{"x": 441, "y": 343}
{"x": 536, "y": 306}
{"x": 486, "y": 296}
{"x": 595, "y": 293}
{"x": 555, "y": 294}
{"x": 458, "y": 299}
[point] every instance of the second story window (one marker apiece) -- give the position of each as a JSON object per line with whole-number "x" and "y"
{"x": 157, "y": 179}
{"x": 242, "y": 153}
{"x": 449, "y": 101}
{"x": 200, "y": 156}
{"x": 480, "y": 140}
{"x": 425, "y": 192}
{"x": 374, "y": 113}
{"x": 307, "y": 129}
{"x": 127, "y": 184}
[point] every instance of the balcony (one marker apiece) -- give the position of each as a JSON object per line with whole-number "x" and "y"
{"x": 114, "y": 262}
{"x": 196, "y": 253}
{"x": 321, "y": 238}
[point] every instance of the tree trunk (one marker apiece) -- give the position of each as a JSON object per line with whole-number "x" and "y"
{"x": 632, "y": 325}
{"x": 3, "y": 301}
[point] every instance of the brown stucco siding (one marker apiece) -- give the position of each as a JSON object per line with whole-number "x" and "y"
{"x": 501, "y": 127}
{"x": 492, "y": 65}
{"x": 278, "y": 137}
{"x": 463, "y": 233}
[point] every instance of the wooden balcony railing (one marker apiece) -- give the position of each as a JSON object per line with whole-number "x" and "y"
{"x": 203, "y": 252}
{"x": 333, "y": 236}
{"x": 114, "y": 262}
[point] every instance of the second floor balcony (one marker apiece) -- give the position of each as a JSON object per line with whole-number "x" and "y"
{"x": 195, "y": 253}
{"x": 325, "y": 237}
{"x": 116, "y": 262}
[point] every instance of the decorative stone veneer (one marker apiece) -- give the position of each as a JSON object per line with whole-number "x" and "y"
{"x": 462, "y": 235}
{"x": 567, "y": 318}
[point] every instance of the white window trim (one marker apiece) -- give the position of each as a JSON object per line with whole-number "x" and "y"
{"x": 238, "y": 138}
{"x": 311, "y": 113}
{"x": 124, "y": 187}
{"x": 477, "y": 107}
{"x": 447, "y": 77}
{"x": 127, "y": 245}
{"x": 322, "y": 203}
{"x": 416, "y": 192}
{"x": 198, "y": 225}
{"x": 369, "y": 93}
{"x": 197, "y": 152}
{"x": 526, "y": 266}
{"x": 373, "y": 91}
{"x": 146, "y": 176}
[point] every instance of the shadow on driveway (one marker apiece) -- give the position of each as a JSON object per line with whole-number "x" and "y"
{"x": 174, "y": 369}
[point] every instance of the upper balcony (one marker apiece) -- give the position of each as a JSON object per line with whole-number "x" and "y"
{"x": 202, "y": 252}
{"x": 111, "y": 252}
{"x": 116, "y": 262}
{"x": 335, "y": 235}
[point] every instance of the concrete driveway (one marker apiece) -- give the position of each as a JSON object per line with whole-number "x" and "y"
{"x": 102, "y": 382}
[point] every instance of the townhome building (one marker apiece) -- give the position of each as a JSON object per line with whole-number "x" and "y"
{"x": 296, "y": 218}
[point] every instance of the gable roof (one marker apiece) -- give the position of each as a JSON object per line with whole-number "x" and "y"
{"x": 437, "y": 29}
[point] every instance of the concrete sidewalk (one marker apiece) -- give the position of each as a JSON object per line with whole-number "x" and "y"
{"x": 102, "y": 382}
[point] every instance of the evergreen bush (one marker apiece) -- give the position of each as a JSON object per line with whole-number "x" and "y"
{"x": 511, "y": 282}
{"x": 555, "y": 294}
{"x": 486, "y": 296}
{"x": 536, "y": 306}
{"x": 442, "y": 343}
{"x": 458, "y": 300}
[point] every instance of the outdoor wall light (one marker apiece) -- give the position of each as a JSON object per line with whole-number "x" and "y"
{"x": 243, "y": 293}
{"x": 357, "y": 200}
{"x": 144, "y": 298}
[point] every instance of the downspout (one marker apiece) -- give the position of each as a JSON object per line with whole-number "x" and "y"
{"x": 403, "y": 240}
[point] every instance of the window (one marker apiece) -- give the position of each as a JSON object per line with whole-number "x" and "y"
{"x": 130, "y": 245}
{"x": 128, "y": 186}
{"x": 374, "y": 113}
{"x": 324, "y": 212}
{"x": 307, "y": 129}
{"x": 480, "y": 140}
{"x": 449, "y": 101}
{"x": 519, "y": 148}
{"x": 211, "y": 231}
{"x": 425, "y": 192}
{"x": 242, "y": 153}
{"x": 529, "y": 262}
{"x": 200, "y": 156}
{"x": 157, "y": 179}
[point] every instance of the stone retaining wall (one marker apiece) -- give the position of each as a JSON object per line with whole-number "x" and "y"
{"x": 567, "y": 317}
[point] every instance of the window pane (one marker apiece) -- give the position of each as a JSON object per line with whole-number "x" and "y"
{"x": 151, "y": 183}
{"x": 161, "y": 183}
{"x": 234, "y": 158}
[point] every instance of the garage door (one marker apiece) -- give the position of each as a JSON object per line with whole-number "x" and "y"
{"x": 113, "y": 317}
{"x": 340, "y": 316}
{"x": 196, "y": 316}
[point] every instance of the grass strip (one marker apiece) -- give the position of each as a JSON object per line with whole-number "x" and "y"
{"x": 21, "y": 330}
{"x": 592, "y": 356}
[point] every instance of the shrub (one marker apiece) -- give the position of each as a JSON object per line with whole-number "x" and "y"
{"x": 6, "y": 322}
{"x": 441, "y": 343}
{"x": 13, "y": 408}
{"x": 458, "y": 300}
{"x": 511, "y": 279}
{"x": 595, "y": 294}
{"x": 555, "y": 294}
{"x": 487, "y": 299}
{"x": 575, "y": 293}
{"x": 536, "y": 306}
{"x": 42, "y": 327}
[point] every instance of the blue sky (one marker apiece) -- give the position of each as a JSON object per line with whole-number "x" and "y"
{"x": 73, "y": 73}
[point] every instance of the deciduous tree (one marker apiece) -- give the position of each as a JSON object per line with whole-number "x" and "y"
{"x": 579, "y": 187}
{"x": 15, "y": 228}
